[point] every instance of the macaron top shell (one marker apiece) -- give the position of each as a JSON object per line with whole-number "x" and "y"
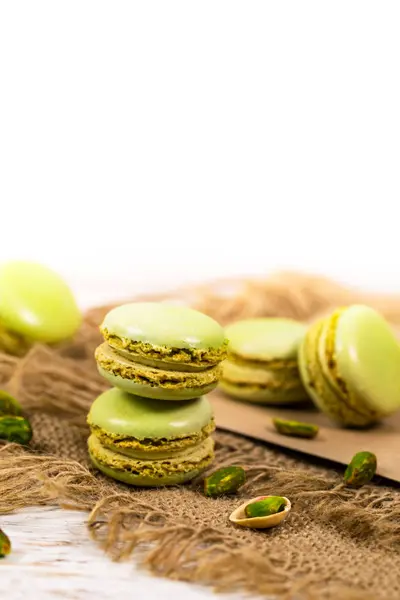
{"x": 36, "y": 303}
{"x": 164, "y": 325}
{"x": 368, "y": 357}
{"x": 265, "y": 339}
{"x": 125, "y": 414}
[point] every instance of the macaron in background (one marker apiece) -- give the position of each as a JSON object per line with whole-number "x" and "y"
{"x": 147, "y": 442}
{"x": 262, "y": 361}
{"x": 350, "y": 365}
{"x": 161, "y": 351}
{"x": 36, "y": 305}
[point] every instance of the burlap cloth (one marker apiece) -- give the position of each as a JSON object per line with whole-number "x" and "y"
{"x": 337, "y": 543}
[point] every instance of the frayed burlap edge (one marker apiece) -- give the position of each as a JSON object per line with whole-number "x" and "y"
{"x": 124, "y": 524}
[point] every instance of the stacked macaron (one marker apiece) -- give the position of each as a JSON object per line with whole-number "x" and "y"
{"x": 153, "y": 428}
{"x": 262, "y": 361}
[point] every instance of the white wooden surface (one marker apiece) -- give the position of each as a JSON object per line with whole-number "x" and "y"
{"x": 53, "y": 557}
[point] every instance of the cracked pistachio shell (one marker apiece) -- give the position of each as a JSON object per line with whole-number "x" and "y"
{"x": 5, "y": 544}
{"x": 259, "y": 522}
{"x": 224, "y": 481}
{"x": 361, "y": 469}
{"x": 8, "y": 405}
{"x": 15, "y": 429}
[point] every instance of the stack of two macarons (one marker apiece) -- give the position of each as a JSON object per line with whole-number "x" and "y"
{"x": 154, "y": 426}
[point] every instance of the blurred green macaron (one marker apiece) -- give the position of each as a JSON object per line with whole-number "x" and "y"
{"x": 36, "y": 305}
{"x": 161, "y": 351}
{"x": 350, "y": 365}
{"x": 147, "y": 442}
{"x": 262, "y": 361}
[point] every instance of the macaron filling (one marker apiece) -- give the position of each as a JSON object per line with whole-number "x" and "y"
{"x": 258, "y": 384}
{"x": 260, "y": 378}
{"x": 263, "y": 395}
{"x": 151, "y": 354}
{"x": 151, "y": 447}
{"x": 196, "y": 458}
{"x": 270, "y": 365}
{"x": 110, "y": 361}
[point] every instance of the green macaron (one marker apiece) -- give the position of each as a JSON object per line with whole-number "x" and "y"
{"x": 350, "y": 365}
{"x": 161, "y": 351}
{"x": 147, "y": 442}
{"x": 262, "y": 361}
{"x": 36, "y": 305}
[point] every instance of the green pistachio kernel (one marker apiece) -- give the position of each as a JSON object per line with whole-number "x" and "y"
{"x": 361, "y": 469}
{"x": 15, "y": 429}
{"x": 8, "y": 405}
{"x": 265, "y": 507}
{"x": 224, "y": 481}
{"x": 295, "y": 428}
{"x": 5, "y": 544}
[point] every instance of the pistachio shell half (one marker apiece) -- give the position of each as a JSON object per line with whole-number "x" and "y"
{"x": 239, "y": 516}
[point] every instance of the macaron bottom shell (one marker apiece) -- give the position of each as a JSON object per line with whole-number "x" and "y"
{"x": 154, "y": 391}
{"x": 142, "y": 481}
{"x": 259, "y": 395}
{"x": 151, "y": 473}
{"x": 264, "y": 383}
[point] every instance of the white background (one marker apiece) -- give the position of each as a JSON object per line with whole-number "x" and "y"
{"x": 148, "y": 143}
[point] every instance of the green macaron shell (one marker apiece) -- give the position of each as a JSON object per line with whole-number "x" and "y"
{"x": 327, "y": 359}
{"x": 156, "y": 392}
{"x": 142, "y": 480}
{"x": 322, "y": 390}
{"x": 265, "y": 339}
{"x": 140, "y": 472}
{"x": 368, "y": 358}
{"x": 160, "y": 331}
{"x": 36, "y": 303}
{"x": 132, "y": 416}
